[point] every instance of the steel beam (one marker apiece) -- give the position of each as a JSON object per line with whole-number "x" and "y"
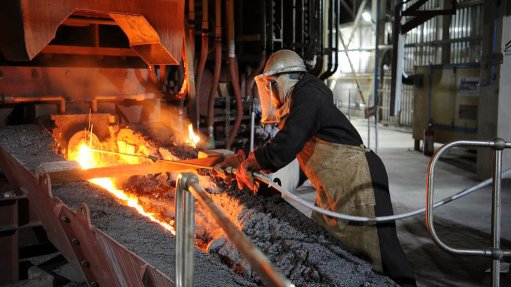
{"x": 88, "y": 51}
{"x": 348, "y": 8}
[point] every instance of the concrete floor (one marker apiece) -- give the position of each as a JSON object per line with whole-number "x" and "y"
{"x": 464, "y": 223}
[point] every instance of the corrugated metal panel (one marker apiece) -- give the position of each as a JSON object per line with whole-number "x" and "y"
{"x": 424, "y": 44}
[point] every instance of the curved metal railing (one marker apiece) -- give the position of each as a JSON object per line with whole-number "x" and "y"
{"x": 495, "y": 251}
{"x": 373, "y": 220}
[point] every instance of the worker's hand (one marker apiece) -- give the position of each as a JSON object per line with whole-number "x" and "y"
{"x": 232, "y": 161}
{"x": 244, "y": 174}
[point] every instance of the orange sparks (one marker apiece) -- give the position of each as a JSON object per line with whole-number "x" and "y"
{"x": 85, "y": 157}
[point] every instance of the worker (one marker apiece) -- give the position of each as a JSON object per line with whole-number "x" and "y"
{"x": 348, "y": 177}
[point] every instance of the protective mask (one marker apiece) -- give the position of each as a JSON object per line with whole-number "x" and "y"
{"x": 274, "y": 93}
{"x": 267, "y": 97}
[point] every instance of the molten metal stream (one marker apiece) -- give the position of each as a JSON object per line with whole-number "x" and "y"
{"x": 86, "y": 159}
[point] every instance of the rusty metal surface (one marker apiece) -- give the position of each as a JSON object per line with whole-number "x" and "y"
{"x": 28, "y": 26}
{"x": 76, "y": 83}
{"x": 97, "y": 257}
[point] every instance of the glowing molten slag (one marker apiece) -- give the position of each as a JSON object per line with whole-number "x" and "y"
{"x": 193, "y": 139}
{"x": 85, "y": 157}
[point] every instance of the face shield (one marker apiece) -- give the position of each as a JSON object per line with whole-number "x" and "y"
{"x": 268, "y": 98}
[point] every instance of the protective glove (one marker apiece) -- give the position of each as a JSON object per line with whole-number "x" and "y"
{"x": 233, "y": 161}
{"x": 244, "y": 174}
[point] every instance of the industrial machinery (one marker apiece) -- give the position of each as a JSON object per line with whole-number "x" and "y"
{"x": 128, "y": 59}
{"x": 89, "y": 71}
{"x": 447, "y": 101}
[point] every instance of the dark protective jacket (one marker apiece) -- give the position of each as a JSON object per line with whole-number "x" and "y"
{"x": 312, "y": 113}
{"x": 348, "y": 178}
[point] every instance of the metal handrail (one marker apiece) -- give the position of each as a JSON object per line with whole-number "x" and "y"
{"x": 371, "y": 220}
{"x": 188, "y": 189}
{"x": 498, "y": 145}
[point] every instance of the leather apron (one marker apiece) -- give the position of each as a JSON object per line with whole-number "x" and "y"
{"x": 340, "y": 174}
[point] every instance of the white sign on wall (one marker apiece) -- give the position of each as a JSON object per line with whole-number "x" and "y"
{"x": 468, "y": 86}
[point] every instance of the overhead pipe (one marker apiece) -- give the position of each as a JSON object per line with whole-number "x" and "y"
{"x": 233, "y": 65}
{"x": 216, "y": 72}
{"x": 205, "y": 45}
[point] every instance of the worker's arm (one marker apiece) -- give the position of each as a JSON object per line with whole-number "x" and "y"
{"x": 301, "y": 124}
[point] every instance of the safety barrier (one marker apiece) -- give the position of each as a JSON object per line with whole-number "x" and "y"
{"x": 371, "y": 220}
{"x": 495, "y": 251}
{"x": 188, "y": 189}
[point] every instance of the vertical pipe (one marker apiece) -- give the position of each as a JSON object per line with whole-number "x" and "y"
{"x": 375, "y": 80}
{"x": 252, "y": 127}
{"x": 496, "y": 213}
{"x": 216, "y": 72}
{"x": 369, "y": 126}
{"x": 294, "y": 22}
{"x": 191, "y": 23}
{"x": 337, "y": 34}
{"x": 329, "y": 33}
{"x": 184, "y": 231}
{"x": 233, "y": 64}
{"x": 179, "y": 231}
{"x": 163, "y": 75}
{"x": 249, "y": 90}
{"x": 349, "y": 104}
{"x": 188, "y": 236}
{"x": 204, "y": 47}
{"x": 430, "y": 95}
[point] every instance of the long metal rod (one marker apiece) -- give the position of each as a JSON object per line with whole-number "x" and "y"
{"x": 259, "y": 262}
{"x": 496, "y": 216}
{"x": 71, "y": 170}
{"x": 179, "y": 231}
{"x": 252, "y": 126}
{"x": 148, "y": 158}
{"x": 375, "y": 80}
